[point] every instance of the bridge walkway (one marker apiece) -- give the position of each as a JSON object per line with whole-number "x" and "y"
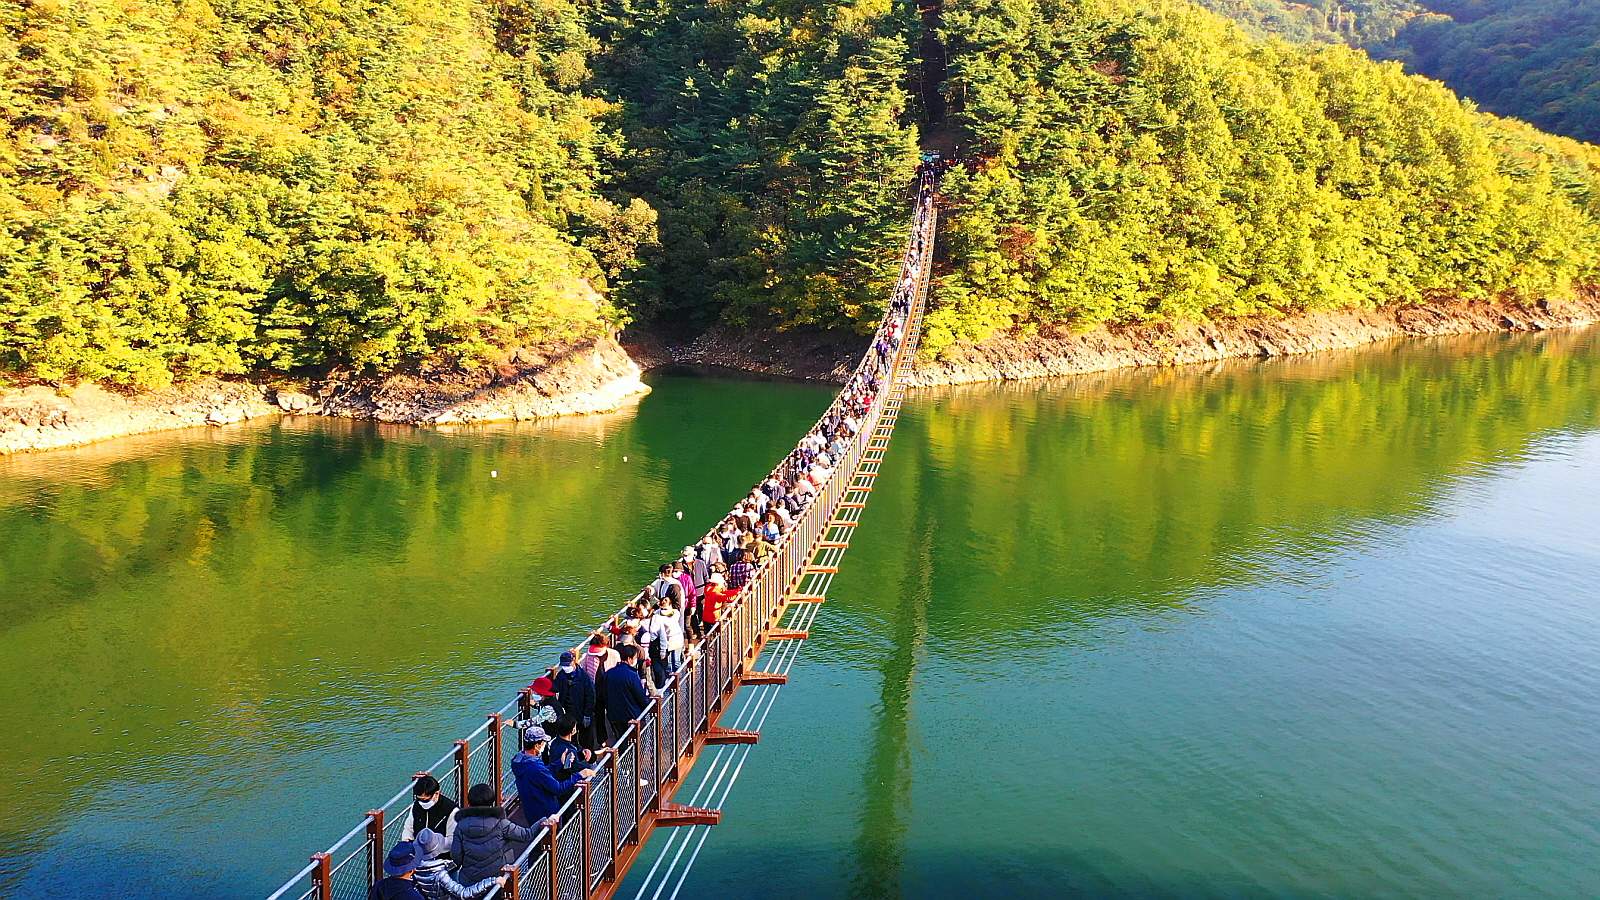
{"x": 605, "y": 825}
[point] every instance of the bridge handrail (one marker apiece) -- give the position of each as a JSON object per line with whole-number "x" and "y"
{"x": 737, "y": 619}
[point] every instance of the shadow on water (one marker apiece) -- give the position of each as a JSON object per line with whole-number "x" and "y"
{"x": 886, "y": 778}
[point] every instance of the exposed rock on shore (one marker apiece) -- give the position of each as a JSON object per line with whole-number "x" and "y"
{"x": 40, "y": 418}
{"x": 1011, "y": 357}
{"x": 598, "y": 375}
{"x": 808, "y": 353}
{"x": 594, "y": 375}
{"x": 830, "y": 356}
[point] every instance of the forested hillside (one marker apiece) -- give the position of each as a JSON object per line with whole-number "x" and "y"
{"x": 198, "y": 187}
{"x": 775, "y": 139}
{"x": 193, "y": 187}
{"x": 1358, "y": 22}
{"x": 1146, "y": 161}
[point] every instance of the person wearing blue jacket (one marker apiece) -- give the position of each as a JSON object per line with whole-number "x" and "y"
{"x": 540, "y": 791}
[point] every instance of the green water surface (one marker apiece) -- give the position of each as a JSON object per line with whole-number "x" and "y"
{"x": 1321, "y": 627}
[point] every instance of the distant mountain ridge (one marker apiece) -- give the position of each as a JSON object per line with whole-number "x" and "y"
{"x": 1537, "y": 60}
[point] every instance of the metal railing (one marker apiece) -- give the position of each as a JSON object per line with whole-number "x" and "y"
{"x": 587, "y": 848}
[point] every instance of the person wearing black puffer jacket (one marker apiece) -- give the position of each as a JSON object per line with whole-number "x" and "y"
{"x": 485, "y": 840}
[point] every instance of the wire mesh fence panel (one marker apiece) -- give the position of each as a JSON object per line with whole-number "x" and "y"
{"x": 600, "y": 841}
{"x": 535, "y": 881}
{"x": 394, "y": 823}
{"x": 510, "y": 743}
{"x": 481, "y": 762}
{"x": 570, "y": 864}
{"x": 647, "y": 760}
{"x": 352, "y": 875}
{"x": 450, "y": 783}
{"x": 685, "y": 703}
{"x": 627, "y": 790}
{"x": 669, "y": 720}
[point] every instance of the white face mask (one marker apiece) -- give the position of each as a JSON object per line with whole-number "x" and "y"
{"x": 568, "y": 669}
{"x": 427, "y": 804}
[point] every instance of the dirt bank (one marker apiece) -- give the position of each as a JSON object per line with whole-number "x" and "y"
{"x": 585, "y": 377}
{"x": 808, "y": 353}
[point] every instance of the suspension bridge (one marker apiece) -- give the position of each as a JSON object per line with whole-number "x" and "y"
{"x": 709, "y": 714}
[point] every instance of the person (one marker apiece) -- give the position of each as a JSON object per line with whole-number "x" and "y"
{"x": 538, "y": 788}
{"x": 739, "y": 572}
{"x": 625, "y": 695}
{"x": 544, "y": 696}
{"x": 433, "y": 877}
{"x": 666, "y": 586}
{"x": 711, "y": 548}
{"x": 574, "y": 690}
{"x": 597, "y": 662}
{"x": 717, "y": 596}
{"x": 398, "y": 867}
{"x": 698, "y": 571}
{"x": 430, "y": 808}
{"x": 696, "y": 567}
{"x": 562, "y": 754}
{"x": 727, "y": 534}
{"x": 760, "y": 548}
{"x": 485, "y": 840}
{"x": 666, "y": 642}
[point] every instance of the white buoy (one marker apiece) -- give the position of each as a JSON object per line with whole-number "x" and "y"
{"x": 680, "y": 513}
{"x": 624, "y": 459}
{"x": 495, "y": 474}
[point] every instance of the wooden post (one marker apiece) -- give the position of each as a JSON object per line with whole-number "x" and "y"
{"x": 499, "y": 761}
{"x": 661, "y": 775}
{"x": 555, "y": 863}
{"x": 586, "y": 840}
{"x": 638, "y": 776}
{"x": 322, "y": 875}
{"x": 525, "y": 703}
{"x": 463, "y": 757}
{"x": 513, "y": 883}
{"x": 613, "y": 837}
{"x": 375, "y": 843}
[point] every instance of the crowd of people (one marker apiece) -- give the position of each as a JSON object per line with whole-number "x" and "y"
{"x": 585, "y": 704}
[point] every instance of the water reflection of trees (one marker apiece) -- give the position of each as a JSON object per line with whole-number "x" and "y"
{"x": 1009, "y": 511}
{"x": 1127, "y": 489}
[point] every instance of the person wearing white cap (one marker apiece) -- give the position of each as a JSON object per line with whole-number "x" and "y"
{"x": 717, "y": 597}
{"x": 698, "y": 570}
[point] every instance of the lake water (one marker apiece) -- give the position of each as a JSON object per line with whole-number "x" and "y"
{"x": 1319, "y": 627}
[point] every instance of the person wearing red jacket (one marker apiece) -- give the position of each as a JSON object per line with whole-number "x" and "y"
{"x": 717, "y": 596}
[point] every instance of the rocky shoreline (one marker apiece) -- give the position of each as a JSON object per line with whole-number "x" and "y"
{"x": 1061, "y": 352}
{"x": 590, "y": 376}
{"x": 602, "y": 375}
